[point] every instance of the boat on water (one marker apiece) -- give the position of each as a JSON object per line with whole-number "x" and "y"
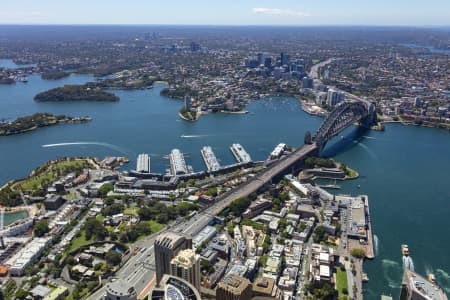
{"x": 406, "y": 259}
{"x": 330, "y": 186}
{"x": 23, "y": 79}
{"x": 431, "y": 278}
{"x": 405, "y": 250}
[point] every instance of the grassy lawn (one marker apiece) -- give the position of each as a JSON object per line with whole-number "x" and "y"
{"x": 47, "y": 175}
{"x": 83, "y": 292}
{"x": 341, "y": 281}
{"x": 37, "y": 181}
{"x": 71, "y": 196}
{"x": 132, "y": 211}
{"x": 155, "y": 226}
{"x": 77, "y": 242}
{"x": 351, "y": 173}
{"x": 100, "y": 217}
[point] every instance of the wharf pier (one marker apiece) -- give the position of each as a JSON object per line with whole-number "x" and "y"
{"x": 370, "y": 253}
{"x": 211, "y": 162}
{"x": 240, "y": 154}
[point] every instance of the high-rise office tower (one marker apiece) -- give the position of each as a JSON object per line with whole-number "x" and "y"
{"x": 186, "y": 265}
{"x": 233, "y": 287}
{"x": 167, "y": 246}
{"x": 187, "y": 103}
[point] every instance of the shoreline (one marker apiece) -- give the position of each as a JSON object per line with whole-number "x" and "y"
{"x": 66, "y": 120}
{"x": 406, "y": 123}
{"x": 31, "y": 210}
{"x": 43, "y": 168}
{"x": 161, "y": 82}
{"x": 187, "y": 119}
{"x": 307, "y": 108}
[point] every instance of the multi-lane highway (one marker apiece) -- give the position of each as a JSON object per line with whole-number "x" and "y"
{"x": 314, "y": 73}
{"x": 139, "y": 270}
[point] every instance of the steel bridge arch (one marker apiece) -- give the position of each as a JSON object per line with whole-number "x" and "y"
{"x": 341, "y": 117}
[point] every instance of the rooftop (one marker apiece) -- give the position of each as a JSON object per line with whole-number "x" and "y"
{"x": 234, "y": 283}
{"x": 263, "y": 285}
{"x": 422, "y": 286}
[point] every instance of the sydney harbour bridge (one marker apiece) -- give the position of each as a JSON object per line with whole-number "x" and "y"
{"x": 342, "y": 116}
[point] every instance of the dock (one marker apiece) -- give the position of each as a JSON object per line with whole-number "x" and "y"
{"x": 240, "y": 154}
{"x": 143, "y": 163}
{"x": 278, "y": 151}
{"x": 211, "y": 162}
{"x": 370, "y": 253}
{"x": 177, "y": 163}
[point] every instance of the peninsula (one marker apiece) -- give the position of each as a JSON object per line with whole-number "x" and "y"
{"x": 54, "y": 75}
{"x": 76, "y": 93}
{"x": 30, "y": 123}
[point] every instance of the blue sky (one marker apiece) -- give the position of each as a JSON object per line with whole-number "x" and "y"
{"x": 227, "y": 12}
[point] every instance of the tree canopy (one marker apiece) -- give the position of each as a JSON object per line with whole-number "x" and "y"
{"x": 95, "y": 228}
{"x": 41, "y": 228}
{"x": 113, "y": 258}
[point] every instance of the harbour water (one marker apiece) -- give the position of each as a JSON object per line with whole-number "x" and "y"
{"x": 404, "y": 169}
{"x": 14, "y": 216}
{"x": 9, "y": 64}
{"x": 430, "y": 48}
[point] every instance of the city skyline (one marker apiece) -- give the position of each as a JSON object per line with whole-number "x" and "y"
{"x": 251, "y": 12}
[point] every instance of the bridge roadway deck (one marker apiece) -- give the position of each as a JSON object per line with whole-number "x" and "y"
{"x": 139, "y": 271}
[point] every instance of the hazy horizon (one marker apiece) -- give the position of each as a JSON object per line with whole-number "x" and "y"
{"x": 217, "y": 13}
{"x": 229, "y": 25}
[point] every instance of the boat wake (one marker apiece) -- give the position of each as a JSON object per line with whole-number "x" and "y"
{"x": 194, "y": 136}
{"x": 428, "y": 270}
{"x": 370, "y": 152}
{"x": 443, "y": 278}
{"x": 391, "y": 271}
{"x": 376, "y": 244}
{"x": 110, "y": 146}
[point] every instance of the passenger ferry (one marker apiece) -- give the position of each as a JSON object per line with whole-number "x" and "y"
{"x": 405, "y": 250}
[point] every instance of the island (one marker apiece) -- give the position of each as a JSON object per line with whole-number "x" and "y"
{"x": 76, "y": 93}
{"x": 30, "y": 123}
